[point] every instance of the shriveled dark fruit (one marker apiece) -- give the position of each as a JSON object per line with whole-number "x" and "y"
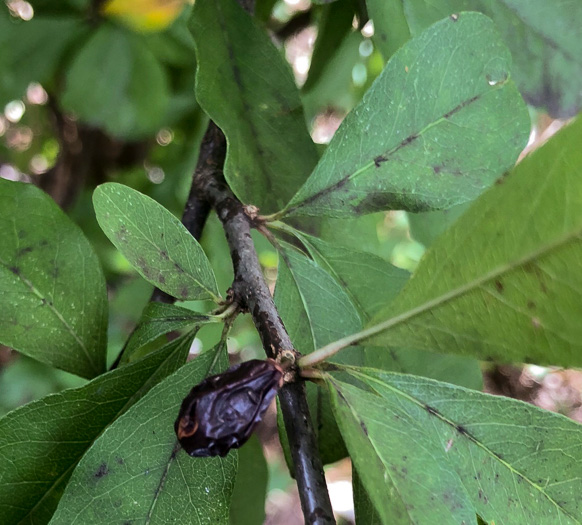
{"x": 221, "y": 412}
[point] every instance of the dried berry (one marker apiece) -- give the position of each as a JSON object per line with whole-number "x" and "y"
{"x": 222, "y": 411}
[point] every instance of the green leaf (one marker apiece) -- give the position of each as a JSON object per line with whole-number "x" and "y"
{"x": 159, "y": 319}
{"x": 57, "y": 307}
{"x": 364, "y": 510}
{"x": 336, "y": 22}
{"x": 426, "y": 227}
{"x": 313, "y": 306}
{"x": 316, "y": 311}
{"x": 247, "y": 506}
{"x": 428, "y": 452}
{"x": 32, "y": 51}
{"x": 391, "y": 29}
{"x": 456, "y": 369}
{"x": 247, "y": 88}
{"x": 542, "y": 37}
{"x": 503, "y": 282}
{"x": 370, "y": 282}
{"x": 41, "y": 443}
{"x": 135, "y": 471}
{"x": 116, "y": 83}
{"x": 438, "y": 126}
{"x": 155, "y": 242}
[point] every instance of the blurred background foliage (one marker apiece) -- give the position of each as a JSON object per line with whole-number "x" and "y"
{"x": 94, "y": 91}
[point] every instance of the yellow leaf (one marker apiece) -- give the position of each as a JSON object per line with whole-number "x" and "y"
{"x": 145, "y": 16}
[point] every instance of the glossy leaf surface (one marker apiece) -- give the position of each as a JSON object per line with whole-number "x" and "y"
{"x": 542, "y": 37}
{"x": 438, "y": 126}
{"x": 56, "y": 304}
{"x": 247, "y": 88}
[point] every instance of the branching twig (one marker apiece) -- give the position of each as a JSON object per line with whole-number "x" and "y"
{"x": 251, "y": 291}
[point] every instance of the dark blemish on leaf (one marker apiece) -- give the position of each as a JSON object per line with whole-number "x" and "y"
{"x": 454, "y": 17}
{"x": 364, "y": 427}
{"x": 101, "y": 471}
{"x": 462, "y": 430}
{"x": 179, "y": 268}
{"x": 43, "y": 243}
{"x": 461, "y": 106}
{"x": 531, "y": 305}
{"x": 22, "y": 234}
{"x": 23, "y": 251}
{"x": 119, "y": 461}
{"x": 379, "y": 160}
{"x": 161, "y": 279}
{"x": 14, "y": 269}
{"x": 432, "y": 411}
{"x": 55, "y": 273}
{"x": 437, "y": 169}
{"x": 184, "y": 292}
{"x": 164, "y": 254}
{"x": 404, "y": 458}
{"x": 498, "y": 285}
{"x": 408, "y": 140}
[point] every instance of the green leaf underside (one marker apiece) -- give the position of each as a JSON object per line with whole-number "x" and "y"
{"x": 247, "y": 506}
{"x": 159, "y": 319}
{"x": 369, "y": 281}
{"x": 247, "y": 88}
{"x": 438, "y": 126}
{"x": 316, "y": 311}
{"x": 134, "y": 472}
{"x": 542, "y": 37}
{"x": 115, "y": 82}
{"x": 45, "y": 439}
{"x": 55, "y": 307}
{"x": 503, "y": 282}
{"x": 428, "y": 452}
{"x": 155, "y": 242}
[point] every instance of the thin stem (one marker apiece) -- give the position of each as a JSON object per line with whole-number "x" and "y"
{"x": 251, "y": 291}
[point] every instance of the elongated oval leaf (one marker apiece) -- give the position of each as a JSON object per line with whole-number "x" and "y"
{"x": 41, "y": 443}
{"x": 54, "y": 304}
{"x": 155, "y": 242}
{"x": 504, "y": 282}
{"x": 315, "y": 310}
{"x": 439, "y": 125}
{"x": 135, "y": 472}
{"x": 247, "y": 88}
{"x": 370, "y": 281}
{"x": 158, "y": 319}
{"x": 542, "y": 37}
{"x": 116, "y": 83}
{"x": 428, "y": 452}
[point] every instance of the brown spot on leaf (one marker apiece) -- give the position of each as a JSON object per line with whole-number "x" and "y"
{"x": 24, "y": 251}
{"x": 531, "y": 305}
{"x": 101, "y": 471}
{"x": 164, "y": 254}
{"x": 499, "y": 286}
{"x": 379, "y": 160}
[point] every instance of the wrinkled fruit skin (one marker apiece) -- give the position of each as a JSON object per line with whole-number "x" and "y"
{"x": 221, "y": 412}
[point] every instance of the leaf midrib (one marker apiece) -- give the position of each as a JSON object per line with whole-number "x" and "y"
{"x": 387, "y": 153}
{"x": 457, "y": 292}
{"x": 481, "y": 445}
